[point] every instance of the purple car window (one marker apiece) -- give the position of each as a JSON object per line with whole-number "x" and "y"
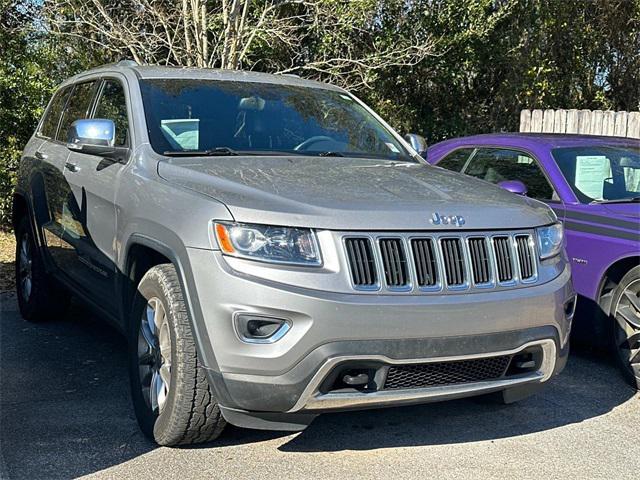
{"x": 601, "y": 173}
{"x": 498, "y": 164}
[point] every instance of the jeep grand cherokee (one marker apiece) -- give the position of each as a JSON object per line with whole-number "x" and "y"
{"x": 272, "y": 249}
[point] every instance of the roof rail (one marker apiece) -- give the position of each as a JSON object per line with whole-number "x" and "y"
{"x": 127, "y": 63}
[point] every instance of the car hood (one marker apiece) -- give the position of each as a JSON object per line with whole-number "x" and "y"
{"x": 350, "y": 194}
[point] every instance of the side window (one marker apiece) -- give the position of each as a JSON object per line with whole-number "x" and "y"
{"x": 456, "y": 159}
{"x": 112, "y": 105}
{"x": 52, "y": 117}
{"x": 77, "y": 107}
{"x": 495, "y": 165}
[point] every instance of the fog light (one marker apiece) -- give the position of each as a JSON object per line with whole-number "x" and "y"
{"x": 260, "y": 329}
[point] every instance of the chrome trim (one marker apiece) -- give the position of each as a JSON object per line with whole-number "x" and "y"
{"x": 376, "y": 252}
{"x": 377, "y": 262}
{"x": 534, "y": 256}
{"x": 437, "y": 287}
{"x": 492, "y": 263}
{"x": 514, "y": 276}
{"x": 312, "y": 399}
{"x": 464, "y": 285}
{"x": 441, "y": 281}
{"x": 277, "y": 335}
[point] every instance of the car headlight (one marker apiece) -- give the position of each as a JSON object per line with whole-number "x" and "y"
{"x": 296, "y": 246}
{"x": 550, "y": 240}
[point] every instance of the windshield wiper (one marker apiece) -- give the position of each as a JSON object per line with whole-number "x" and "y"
{"x": 212, "y": 152}
{"x": 330, "y": 154}
{"x": 619, "y": 200}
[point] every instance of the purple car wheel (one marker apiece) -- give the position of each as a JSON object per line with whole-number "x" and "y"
{"x": 626, "y": 312}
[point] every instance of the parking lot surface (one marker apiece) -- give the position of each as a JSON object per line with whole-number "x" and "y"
{"x": 65, "y": 412}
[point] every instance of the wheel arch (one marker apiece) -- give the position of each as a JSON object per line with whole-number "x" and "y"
{"x": 142, "y": 254}
{"x": 19, "y": 208}
{"x": 612, "y": 276}
{"x": 141, "y": 257}
{"x": 148, "y": 252}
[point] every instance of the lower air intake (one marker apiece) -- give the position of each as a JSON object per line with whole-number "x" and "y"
{"x": 446, "y": 373}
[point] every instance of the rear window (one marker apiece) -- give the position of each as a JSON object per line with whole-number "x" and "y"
{"x": 51, "y": 118}
{"x": 77, "y": 107}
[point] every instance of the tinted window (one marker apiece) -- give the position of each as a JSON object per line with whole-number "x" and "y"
{"x": 52, "y": 117}
{"x": 77, "y": 107}
{"x": 263, "y": 118}
{"x": 112, "y": 105}
{"x": 495, "y": 165}
{"x": 600, "y": 173}
{"x": 456, "y": 159}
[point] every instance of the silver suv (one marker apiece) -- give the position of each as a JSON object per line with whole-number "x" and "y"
{"x": 272, "y": 249}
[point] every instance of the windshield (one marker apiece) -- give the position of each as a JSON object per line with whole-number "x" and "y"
{"x": 225, "y": 117}
{"x": 604, "y": 173}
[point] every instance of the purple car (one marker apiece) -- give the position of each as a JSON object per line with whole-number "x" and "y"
{"x": 593, "y": 185}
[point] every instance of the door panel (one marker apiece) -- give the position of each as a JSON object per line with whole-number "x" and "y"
{"x": 89, "y": 213}
{"x": 90, "y": 225}
{"x": 53, "y": 156}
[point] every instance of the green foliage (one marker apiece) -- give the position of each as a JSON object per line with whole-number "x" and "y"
{"x": 499, "y": 57}
{"x": 31, "y": 65}
{"x": 24, "y": 87}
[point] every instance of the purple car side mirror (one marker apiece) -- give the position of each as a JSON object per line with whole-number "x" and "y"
{"x": 514, "y": 186}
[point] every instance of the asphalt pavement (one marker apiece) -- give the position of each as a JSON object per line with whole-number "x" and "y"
{"x": 65, "y": 412}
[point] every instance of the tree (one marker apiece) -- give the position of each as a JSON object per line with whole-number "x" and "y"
{"x": 501, "y": 56}
{"x": 329, "y": 39}
{"x": 443, "y": 68}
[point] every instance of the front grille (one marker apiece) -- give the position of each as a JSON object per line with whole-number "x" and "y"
{"x": 446, "y": 373}
{"x": 502, "y": 249}
{"x": 453, "y": 261}
{"x": 480, "y": 260}
{"x": 424, "y": 259}
{"x": 361, "y": 262}
{"x": 525, "y": 256}
{"x": 394, "y": 262}
{"x": 411, "y": 262}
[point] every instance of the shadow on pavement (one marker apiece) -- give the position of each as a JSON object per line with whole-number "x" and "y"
{"x": 64, "y": 391}
{"x": 66, "y": 411}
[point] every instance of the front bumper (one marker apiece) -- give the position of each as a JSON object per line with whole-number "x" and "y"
{"x": 329, "y": 330}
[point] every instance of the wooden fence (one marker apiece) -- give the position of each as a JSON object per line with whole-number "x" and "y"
{"x": 589, "y": 122}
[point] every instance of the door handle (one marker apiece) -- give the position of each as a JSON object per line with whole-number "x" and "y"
{"x": 41, "y": 156}
{"x": 72, "y": 167}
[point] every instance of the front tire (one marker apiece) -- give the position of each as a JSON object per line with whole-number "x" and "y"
{"x": 173, "y": 401}
{"x": 40, "y": 298}
{"x": 625, "y": 317}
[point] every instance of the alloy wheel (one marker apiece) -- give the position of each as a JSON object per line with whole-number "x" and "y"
{"x": 627, "y": 315}
{"x": 25, "y": 268}
{"x": 154, "y": 355}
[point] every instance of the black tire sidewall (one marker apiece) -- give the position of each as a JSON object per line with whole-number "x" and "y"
{"x": 629, "y": 277}
{"x": 29, "y": 308}
{"x": 151, "y": 423}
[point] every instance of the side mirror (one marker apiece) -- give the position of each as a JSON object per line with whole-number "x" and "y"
{"x": 514, "y": 186}
{"x": 417, "y": 142}
{"x": 92, "y": 136}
